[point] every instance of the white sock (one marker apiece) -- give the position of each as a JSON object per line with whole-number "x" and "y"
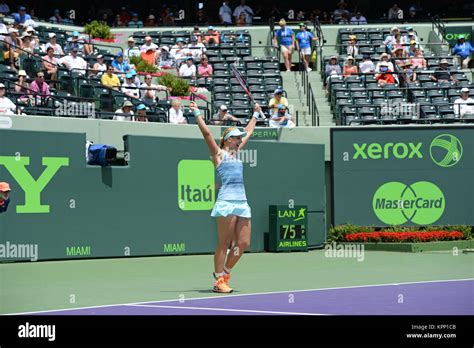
{"x": 218, "y": 275}
{"x": 227, "y": 270}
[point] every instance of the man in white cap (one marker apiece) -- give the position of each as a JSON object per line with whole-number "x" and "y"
{"x": 6, "y": 105}
{"x": 390, "y": 39}
{"x": 58, "y": 50}
{"x": 188, "y": 69}
{"x": 167, "y": 60}
{"x": 464, "y": 105}
{"x": 196, "y": 49}
{"x": 148, "y": 44}
{"x": 73, "y": 62}
{"x": 125, "y": 113}
{"x": 132, "y": 50}
{"x": 34, "y": 41}
{"x": 223, "y": 115}
{"x": 442, "y": 74}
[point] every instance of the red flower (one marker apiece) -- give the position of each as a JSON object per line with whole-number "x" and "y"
{"x": 400, "y": 237}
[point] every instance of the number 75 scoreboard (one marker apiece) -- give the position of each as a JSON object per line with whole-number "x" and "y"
{"x": 288, "y": 228}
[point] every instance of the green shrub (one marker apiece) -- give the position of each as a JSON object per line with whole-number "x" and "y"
{"x": 337, "y": 233}
{"x": 99, "y": 30}
{"x": 179, "y": 87}
{"x": 142, "y": 65}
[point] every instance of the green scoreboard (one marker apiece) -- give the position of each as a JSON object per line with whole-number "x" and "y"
{"x": 288, "y": 228}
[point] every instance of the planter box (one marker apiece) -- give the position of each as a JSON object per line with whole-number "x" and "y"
{"x": 418, "y": 247}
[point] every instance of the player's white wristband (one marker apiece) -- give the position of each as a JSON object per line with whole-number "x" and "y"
{"x": 256, "y": 114}
{"x": 197, "y": 113}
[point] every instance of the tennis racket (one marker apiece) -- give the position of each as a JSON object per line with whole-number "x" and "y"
{"x": 241, "y": 80}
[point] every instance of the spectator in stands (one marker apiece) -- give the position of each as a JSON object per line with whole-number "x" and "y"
{"x": 12, "y": 47}
{"x": 282, "y": 118}
{"x": 117, "y": 22}
{"x": 150, "y": 56}
{"x": 129, "y": 88}
{"x": 167, "y": 16}
{"x": 340, "y": 11}
{"x": 150, "y": 22}
{"x": 58, "y": 50}
{"x": 50, "y": 66}
{"x": 358, "y": 19}
{"x": 196, "y": 48}
{"x": 417, "y": 60}
{"x": 39, "y": 86}
{"x": 225, "y": 13}
{"x": 243, "y": 8}
{"x": 131, "y": 50}
{"x": 385, "y": 76}
{"x": 201, "y": 17}
{"x": 26, "y": 43}
{"x": 21, "y": 17}
{"x": 74, "y": 63}
{"x": 22, "y": 86}
{"x": 107, "y": 20}
{"x": 6, "y": 105}
{"x": 241, "y": 21}
{"x": 136, "y": 79}
{"x": 175, "y": 113}
{"x": 442, "y": 74}
{"x": 399, "y": 55}
{"x": 464, "y": 105}
{"x": 275, "y": 12}
{"x": 135, "y": 22}
{"x": 395, "y": 12}
{"x": 409, "y": 74}
{"x": 149, "y": 90}
{"x": 124, "y": 16}
{"x": 188, "y": 69}
{"x": 179, "y": 51}
{"x": 352, "y": 49}
{"x": 196, "y": 33}
{"x": 411, "y": 48}
{"x": 211, "y": 37}
{"x": 141, "y": 113}
{"x": 3, "y": 27}
{"x": 349, "y": 67}
{"x": 223, "y": 115}
{"x": 109, "y": 79}
{"x": 120, "y": 66}
{"x": 332, "y": 69}
{"x": 285, "y": 36}
{"x": 384, "y": 58}
{"x": 463, "y": 51}
{"x": 303, "y": 44}
{"x": 34, "y": 40}
{"x": 75, "y": 41}
{"x": 99, "y": 67}
{"x": 4, "y": 8}
{"x": 205, "y": 69}
{"x": 390, "y": 39}
{"x": 56, "y": 18}
{"x": 366, "y": 66}
{"x": 148, "y": 44}
{"x": 4, "y": 196}
{"x": 125, "y": 113}
{"x": 277, "y": 99}
{"x": 167, "y": 60}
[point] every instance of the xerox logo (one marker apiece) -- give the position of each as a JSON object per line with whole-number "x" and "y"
{"x": 395, "y": 203}
{"x": 196, "y": 189}
{"x": 377, "y": 151}
{"x": 446, "y": 150}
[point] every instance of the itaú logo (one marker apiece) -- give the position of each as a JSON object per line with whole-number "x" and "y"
{"x": 395, "y": 203}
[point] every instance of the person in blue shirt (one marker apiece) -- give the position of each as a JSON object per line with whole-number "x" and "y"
{"x": 120, "y": 66}
{"x": 303, "y": 44}
{"x": 463, "y": 50}
{"x": 287, "y": 42}
{"x": 21, "y": 17}
{"x": 4, "y": 196}
{"x": 135, "y": 22}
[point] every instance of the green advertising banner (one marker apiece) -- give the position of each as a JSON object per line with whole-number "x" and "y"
{"x": 453, "y": 33}
{"x": 158, "y": 204}
{"x": 403, "y": 176}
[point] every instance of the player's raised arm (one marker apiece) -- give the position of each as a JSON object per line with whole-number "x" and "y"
{"x": 213, "y": 148}
{"x": 251, "y": 125}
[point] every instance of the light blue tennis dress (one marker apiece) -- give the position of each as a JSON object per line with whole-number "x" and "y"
{"x": 231, "y": 199}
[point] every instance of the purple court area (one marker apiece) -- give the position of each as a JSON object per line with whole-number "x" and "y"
{"x": 429, "y": 298}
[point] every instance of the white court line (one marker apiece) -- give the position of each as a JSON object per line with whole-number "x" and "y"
{"x": 225, "y": 310}
{"x": 252, "y": 294}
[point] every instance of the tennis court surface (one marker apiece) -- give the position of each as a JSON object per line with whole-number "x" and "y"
{"x": 384, "y": 283}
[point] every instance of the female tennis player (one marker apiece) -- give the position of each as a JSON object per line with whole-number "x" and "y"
{"x": 231, "y": 209}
